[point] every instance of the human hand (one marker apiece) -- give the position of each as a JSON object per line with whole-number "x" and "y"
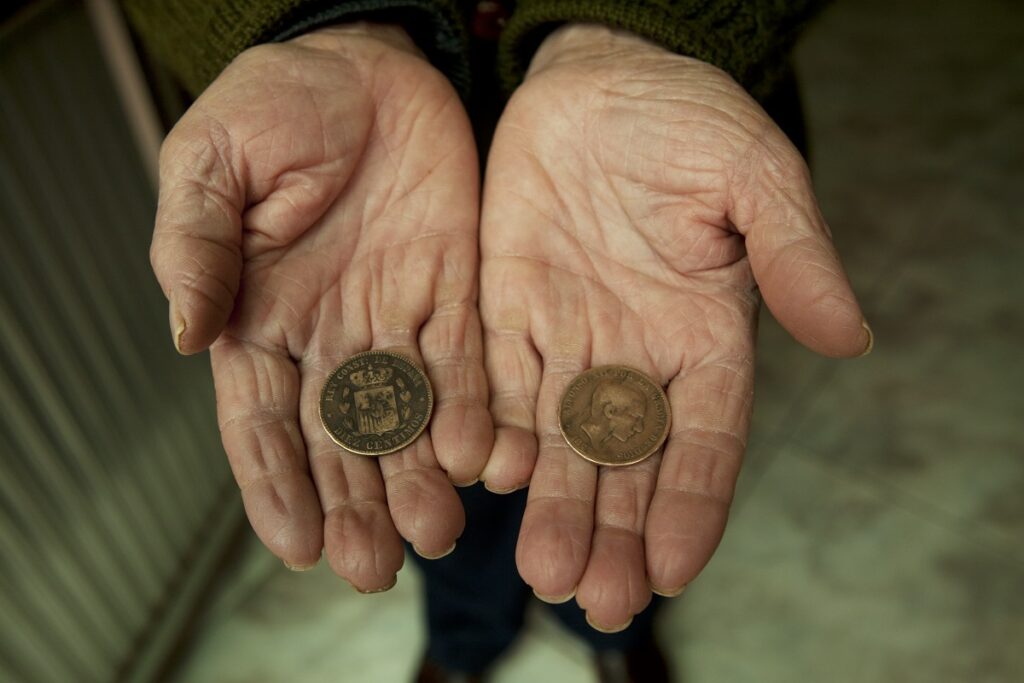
{"x": 320, "y": 199}
{"x": 635, "y": 201}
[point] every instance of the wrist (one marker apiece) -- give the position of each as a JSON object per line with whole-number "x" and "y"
{"x": 341, "y": 37}
{"x": 579, "y": 43}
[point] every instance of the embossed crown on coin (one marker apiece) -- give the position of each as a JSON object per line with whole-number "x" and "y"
{"x": 371, "y": 376}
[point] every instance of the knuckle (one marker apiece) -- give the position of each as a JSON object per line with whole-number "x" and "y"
{"x": 197, "y": 151}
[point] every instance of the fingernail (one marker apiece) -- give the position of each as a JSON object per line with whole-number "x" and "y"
{"x": 502, "y": 492}
{"x": 463, "y": 484}
{"x": 177, "y": 325}
{"x": 613, "y": 629}
{"x": 871, "y": 339}
{"x": 668, "y": 593}
{"x": 371, "y": 591}
{"x": 553, "y": 600}
{"x": 301, "y": 567}
{"x": 433, "y": 557}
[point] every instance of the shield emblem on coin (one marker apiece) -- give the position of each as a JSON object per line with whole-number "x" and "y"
{"x": 376, "y": 410}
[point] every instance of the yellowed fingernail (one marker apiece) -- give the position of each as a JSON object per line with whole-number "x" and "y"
{"x": 612, "y": 629}
{"x": 502, "y": 492}
{"x": 668, "y": 593}
{"x": 463, "y": 484}
{"x": 388, "y": 587}
{"x": 433, "y": 557}
{"x": 177, "y": 325}
{"x": 301, "y": 567}
{"x": 871, "y": 339}
{"x": 555, "y": 600}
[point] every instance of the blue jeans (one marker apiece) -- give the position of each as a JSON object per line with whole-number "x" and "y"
{"x": 475, "y": 600}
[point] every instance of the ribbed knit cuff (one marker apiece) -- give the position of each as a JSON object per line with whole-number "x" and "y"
{"x": 198, "y": 38}
{"x": 748, "y": 39}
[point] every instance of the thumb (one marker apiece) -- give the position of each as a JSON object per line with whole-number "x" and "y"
{"x": 196, "y": 249}
{"x": 794, "y": 261}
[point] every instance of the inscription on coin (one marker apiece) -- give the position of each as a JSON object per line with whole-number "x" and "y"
{"x": 376, "y": 402}
{"x": 614, "y": 415}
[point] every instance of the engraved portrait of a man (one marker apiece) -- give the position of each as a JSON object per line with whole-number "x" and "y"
{"x": 615, "y": 411}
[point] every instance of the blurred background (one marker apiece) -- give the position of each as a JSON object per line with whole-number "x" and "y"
{"x": 878, "y": 532}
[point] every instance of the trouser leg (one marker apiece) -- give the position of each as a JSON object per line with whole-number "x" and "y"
{"x": 474, "y": 597}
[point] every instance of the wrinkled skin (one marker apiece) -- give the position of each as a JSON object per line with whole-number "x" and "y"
{"x": 635, "y": 202}
{"x": 320, "y": 199}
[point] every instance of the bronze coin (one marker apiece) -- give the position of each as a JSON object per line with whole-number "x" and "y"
{"x": 614, "y": 415}
{"x": 376, "y": 402}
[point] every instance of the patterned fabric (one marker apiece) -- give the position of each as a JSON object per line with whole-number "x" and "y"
{"x": 749, "y": 39}
{"x": 198, "y": 38}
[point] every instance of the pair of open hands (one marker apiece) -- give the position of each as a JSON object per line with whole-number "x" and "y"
{"x": 322, "y": 198}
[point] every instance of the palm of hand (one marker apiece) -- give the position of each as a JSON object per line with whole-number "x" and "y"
{"x": 618, "y": 227}
{"x": 349, "y": 193}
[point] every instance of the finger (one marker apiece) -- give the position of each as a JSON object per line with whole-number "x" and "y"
{"x": 424, "y": 505}
{"x": 514, "y": 371}
{"x": 196, "y": 253}
{"x": 710, "y": 420}
{"x": 360, "y": 540}
{"x": 461, "y": 430}
{"x": 257, "y": 407}
{"x": 554, "y": 540}
{"x": 793, "y": 259}
{"x": 614, "y": 585}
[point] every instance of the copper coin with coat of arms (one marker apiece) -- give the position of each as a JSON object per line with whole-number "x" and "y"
{"x": 376, "y": 402}
{"x": 614, "y": 415}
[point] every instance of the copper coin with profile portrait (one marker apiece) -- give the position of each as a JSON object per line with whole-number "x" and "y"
{"x": 614, "y": 415}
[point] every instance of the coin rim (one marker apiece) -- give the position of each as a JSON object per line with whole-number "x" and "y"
{"x": 595, "y": 370}
{"x": 379, "y": 352}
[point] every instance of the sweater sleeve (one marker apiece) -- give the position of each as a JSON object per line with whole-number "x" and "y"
{"x": 196, "y": 39}
{"x": 748, "y": 39}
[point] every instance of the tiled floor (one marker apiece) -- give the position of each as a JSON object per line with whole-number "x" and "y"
{"x": 878, "y": 533}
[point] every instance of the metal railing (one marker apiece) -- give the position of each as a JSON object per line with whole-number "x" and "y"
{"x": 115, "y": 495}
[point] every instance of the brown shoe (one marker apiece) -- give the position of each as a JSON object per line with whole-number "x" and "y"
{"x": 432, "y": 672}
{"x": 642, "y": 664}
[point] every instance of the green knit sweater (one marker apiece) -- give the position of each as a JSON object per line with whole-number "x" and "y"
{"x": 749, "y": 39}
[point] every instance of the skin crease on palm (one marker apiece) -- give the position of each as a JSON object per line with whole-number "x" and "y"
{"x": 319, "y": 199}
{"x": 636, "y": 206}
